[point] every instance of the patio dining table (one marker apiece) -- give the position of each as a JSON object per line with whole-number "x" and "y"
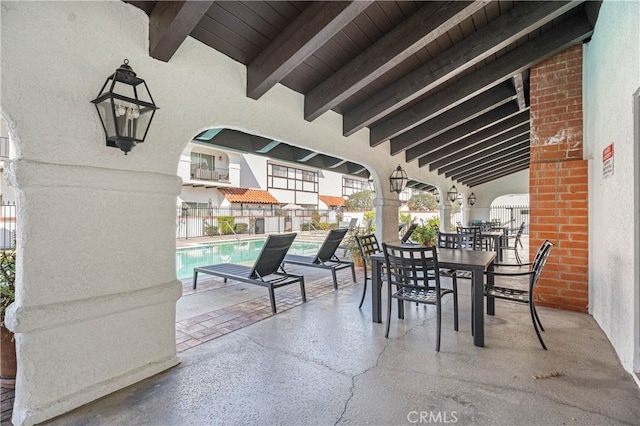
{"x": 468, "y": 260}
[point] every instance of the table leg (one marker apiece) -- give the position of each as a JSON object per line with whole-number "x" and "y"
{"x": 478, "y": 308}
{"x": 376, "y": 290}
{"x": 491, "y": 301}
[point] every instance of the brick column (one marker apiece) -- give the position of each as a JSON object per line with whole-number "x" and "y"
{"x": 558, "y": 180}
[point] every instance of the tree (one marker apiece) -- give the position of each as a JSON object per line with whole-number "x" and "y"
{"x": 422, "y": 201}
{"x": 359, "y": 201}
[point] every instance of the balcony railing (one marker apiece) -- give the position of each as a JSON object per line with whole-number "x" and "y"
{"x": 216, "y": 175}
{"x": 4, "y": 147}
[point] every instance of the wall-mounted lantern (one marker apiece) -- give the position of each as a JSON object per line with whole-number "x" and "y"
{"x": 398, "y": 180}
{"x": 472, "y": 199}
{"x": 452, "y": 194}
{"x": 459, "y": 199}
{"x": 436, "y": 195}
{"x": 125, "y": 107}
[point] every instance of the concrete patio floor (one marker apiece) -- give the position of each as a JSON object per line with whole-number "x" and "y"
{"x": 325, "y": 363}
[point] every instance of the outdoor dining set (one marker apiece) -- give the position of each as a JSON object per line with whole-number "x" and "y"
{"x": 413, "y": 273}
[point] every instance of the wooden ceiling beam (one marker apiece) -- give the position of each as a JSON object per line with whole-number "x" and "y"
{"x": 570, "y": 32}
{"x": 317, "y": 24}
{"x": 463, "y": 113}
{"x": 481, "y": 155}
{"x": 518, "y": 84}
{"x": 498, "y": 128}
{"x": 431, "y": 21}
{"x": 514, "y": 135}
{"x": 524, "y": 165}
{"x": 471, "y": 127}
{"x": 495, "y": 171}
{"x": 487, "y": 163}
{"x": 496, "y": 35}
{"x": 170, "y": 23}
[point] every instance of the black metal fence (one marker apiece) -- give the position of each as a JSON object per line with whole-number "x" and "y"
{"x": 8, "y": 226}
{"x": 194, "y": 222}
{"x": 511, "y": 216}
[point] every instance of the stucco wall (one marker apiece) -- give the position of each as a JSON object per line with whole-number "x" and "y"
{"x": 95, "y": 308}
{"x": 612, "y": 75}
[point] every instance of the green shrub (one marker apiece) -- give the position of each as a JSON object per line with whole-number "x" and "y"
{"x": 226, "y": 224}
{"x": 242, "y": 228}
{"x": 210, "y": 231}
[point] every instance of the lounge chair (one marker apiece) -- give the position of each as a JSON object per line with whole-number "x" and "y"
{"x": 267, "y": 270}
{"x": 407, "y": 235}
{"x": 326, "y": 257}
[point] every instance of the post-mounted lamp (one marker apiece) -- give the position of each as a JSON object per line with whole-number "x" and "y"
{"x": 452, "y": 194}
{"x": 436, "y": 195}
{"x": 472, "y": 199}
{"x": 398, "y": 180}
{"x": 125, "y": 107}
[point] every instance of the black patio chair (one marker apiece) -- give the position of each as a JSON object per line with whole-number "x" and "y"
{"x": 407, "y": 235}
{"x": 267, "y": 270}
{"x": 326, "y": 257}
{"x": 510, "y": 290}
{"x": 415, "y": 274}
{"x": 368, "y": 245}
{"x": 505, "y": 245}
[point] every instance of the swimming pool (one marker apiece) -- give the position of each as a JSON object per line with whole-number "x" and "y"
{"x": 245, "y": 251}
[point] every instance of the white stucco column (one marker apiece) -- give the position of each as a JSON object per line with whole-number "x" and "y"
{"x": 82, "y": 333}
{"x": 387, "y": 206}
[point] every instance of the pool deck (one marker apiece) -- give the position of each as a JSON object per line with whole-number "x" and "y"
{"x": 203, "y": 314}
{"x": 325, "y": 362}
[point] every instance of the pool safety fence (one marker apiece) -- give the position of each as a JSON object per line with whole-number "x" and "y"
{"x": 7, "y": 226}
{"x": 194, "y": 222}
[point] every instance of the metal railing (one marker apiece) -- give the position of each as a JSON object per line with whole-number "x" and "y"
{"x": 216, "y": 174}
{"x": 194, "y": 222}
{"x": 511, "y": 216}
{"x": 8, "y": 226}
{"x": 5, "y": 147}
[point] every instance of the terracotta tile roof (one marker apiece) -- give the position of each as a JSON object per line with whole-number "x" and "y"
{"x": 330, "y": 200}
{"x": 253, "y": 196}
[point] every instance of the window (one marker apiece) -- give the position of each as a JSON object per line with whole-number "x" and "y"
{"x": 351, "y": 186}
{"x": 291, "y": 178}
{"x": 202, "y": 166}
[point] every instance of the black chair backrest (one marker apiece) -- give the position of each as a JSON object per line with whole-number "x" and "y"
{"x": 412, "y": 267}
{"x": 446, "y": 240}
{"x": 272, "y": 255}
{"x": 467, "y": 241}
{"x": 330, "y": 245}
{"x": 368, "y": 245}
{"x": 407, "y": 234}
{"x": 538, "y": 263}
{"x": 475, "y": 238}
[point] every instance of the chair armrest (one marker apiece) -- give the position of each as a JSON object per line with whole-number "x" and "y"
{"x": 512, "y": 264}
{"x": 508, "y": 274}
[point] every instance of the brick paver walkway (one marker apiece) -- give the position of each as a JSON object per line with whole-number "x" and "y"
{"x": 202, "y": 328}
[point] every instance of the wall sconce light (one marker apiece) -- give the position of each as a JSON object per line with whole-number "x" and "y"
{"x": 436, "y": 195}
{"x": 398, "y": 180}
{"x": 452, "y": 194}
{"x": 459, "y": 199}
{"x": 125, "y": 107}
{"x": 220, "y": 158}
{"x": 472, "y": 199}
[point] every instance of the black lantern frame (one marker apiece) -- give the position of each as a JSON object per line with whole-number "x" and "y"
{"x": 126, "y": 108}
{"x": 436, "y": 195}
{"x": 452, "y": 194}
{"x": 472, "y": 199}
{"x": 398, "y": 180}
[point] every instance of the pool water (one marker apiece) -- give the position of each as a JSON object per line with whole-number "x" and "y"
{"x": 244, "y": 252}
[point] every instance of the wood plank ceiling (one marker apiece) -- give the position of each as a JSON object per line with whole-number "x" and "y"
{"x": 447, "y": 83}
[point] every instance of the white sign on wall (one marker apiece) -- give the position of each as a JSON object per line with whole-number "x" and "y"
{"x": 607, "y": 162}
